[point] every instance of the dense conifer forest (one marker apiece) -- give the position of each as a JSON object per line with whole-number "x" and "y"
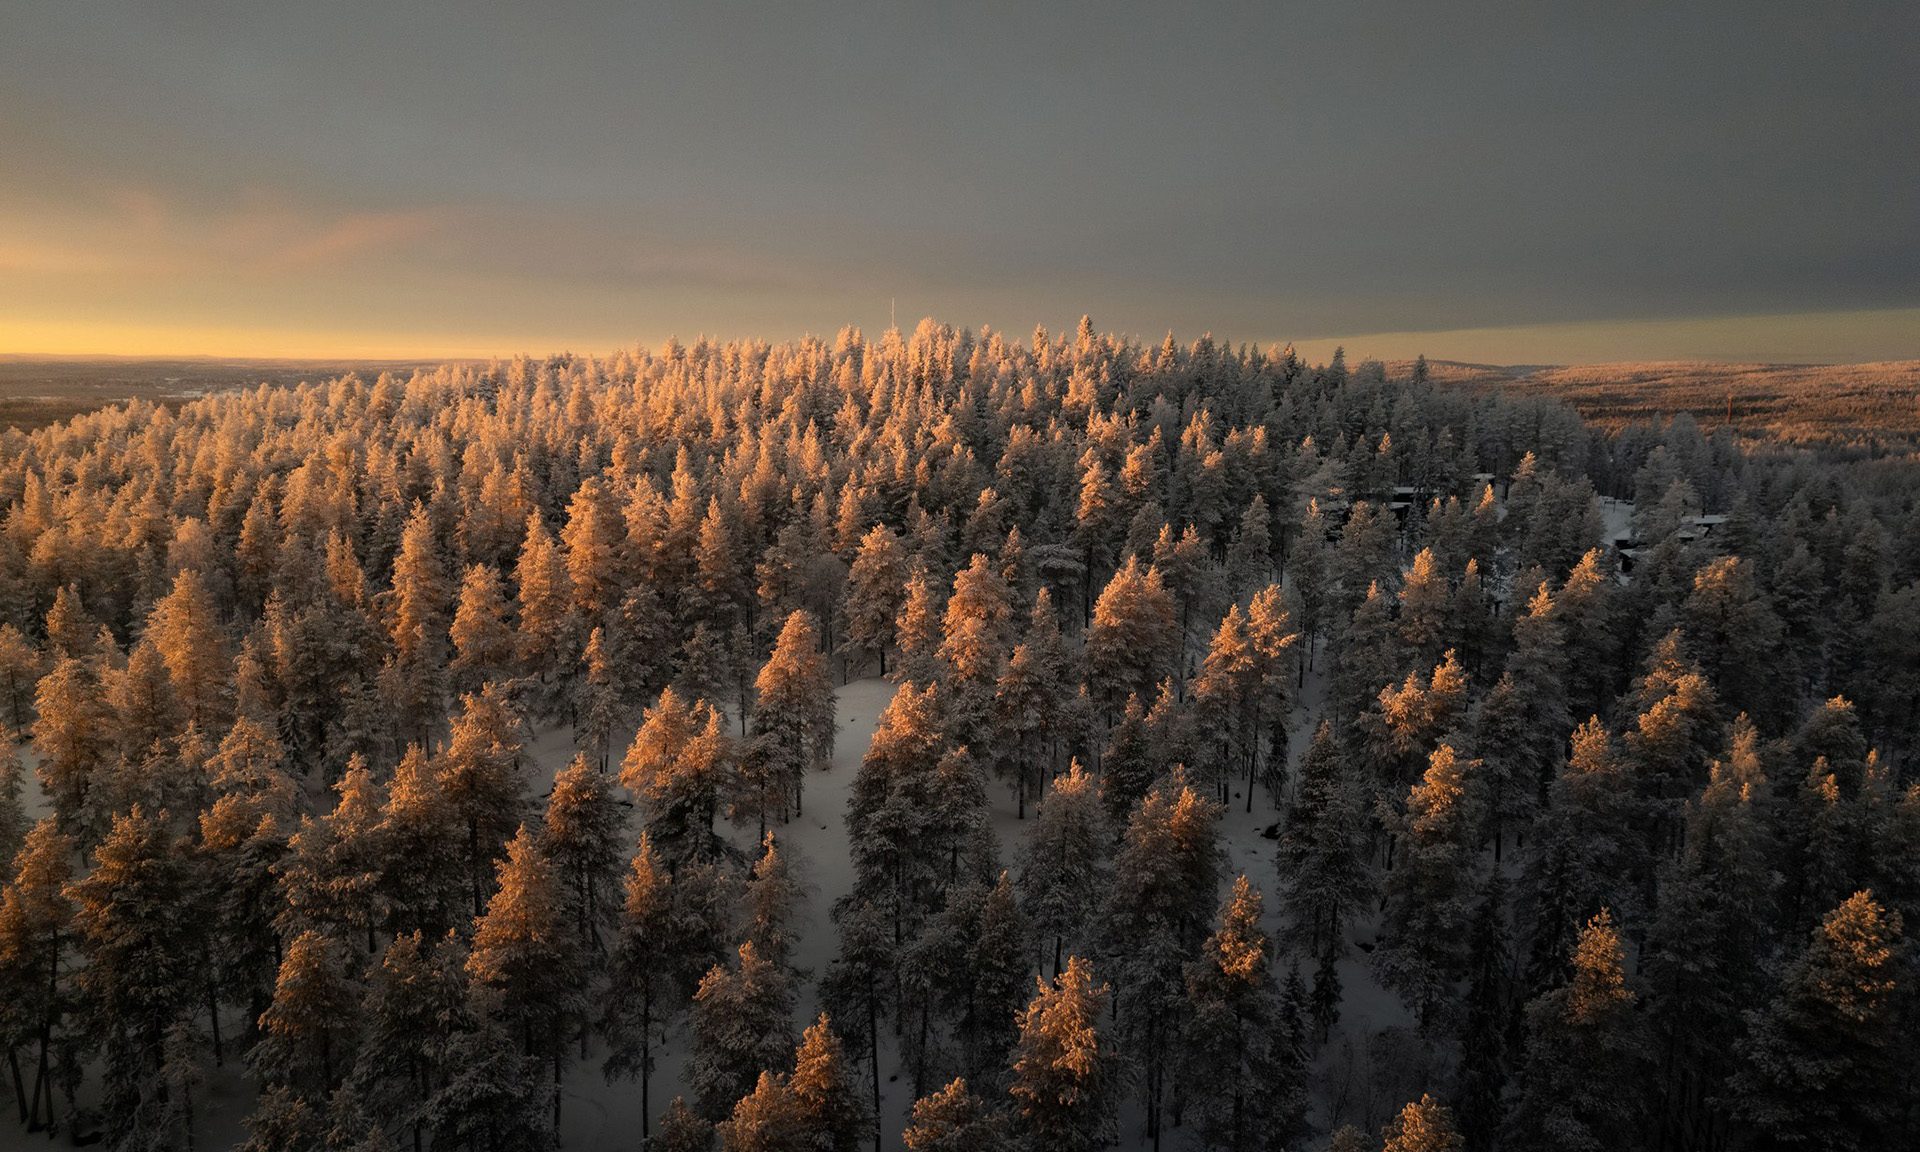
{"x": 952, "y": 742}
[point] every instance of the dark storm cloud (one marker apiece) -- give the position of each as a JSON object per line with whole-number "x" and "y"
{"x": 1266, "y": 170}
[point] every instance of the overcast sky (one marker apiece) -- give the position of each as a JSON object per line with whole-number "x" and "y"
{"x": 1502, "y": 182}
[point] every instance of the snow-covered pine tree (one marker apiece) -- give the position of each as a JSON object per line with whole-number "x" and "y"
{"x": 483, "y": 640}
{"x": 331, "y": 876}
{"x": 1583, "y": 1083}
{"x": 650, "y": 974}
{"x": 479, "y": 774}
{"x": 1066, "y": 1075}
{"x": 742, "y": 1025}
{"x": 185, "y": 627}
{"x": 596, "y": 707}
{"x": 1157, "y": 912}
{"x": 876, "y": 585}
{"x": 955, "y": 1120}
{"x": 414, "y": 1005}
{"x": 1702, "y": 962}
{"x": 580, "y": 836}
{"x": 307, "y": 1033}
{"x": 1424, "y": 1125}
{"x": 1428, "y": 892}
{"x": 1240, "y": 1072}
{"x": 678, "y": 767}
{"x": 1324, "y": 872}
{"x": 1133, "y": 639}
{"x": 422, "y": 863}
{"x": 857, "y": 986}
{"x": 1062, "y": 864}
{"x": 793, "y": 716}
{"x": 525, "y": 968}
{"x": 829, "y": 1113}
{"x": 138, "y": 928}
{"x": 36, "y": 915}
{"x": 1824, "y": 1062}
{"x": 1585, "y": 854}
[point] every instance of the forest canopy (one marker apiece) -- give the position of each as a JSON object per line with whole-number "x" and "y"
{"x": 1271, "y": 755}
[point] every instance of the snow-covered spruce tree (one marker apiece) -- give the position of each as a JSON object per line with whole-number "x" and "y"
{"x": 856, "y": 988}
{"x": 742, "y": 1025}
{"x": 1129, "y": 766}
{"x": 1513, "y": 763}
{"x": 580, "y": 835}
{"x": 184, "y": 627}
{"x": 415, "y": 1003}
{"x": 678, "y": 767}
{"x": 1702, "y": 961}
{"x": 682, "y": 1130}
{"x": 243, "y": 839}
{"x": 1424, "y": 603}
{"x": 894, "y": 813}
{"x": 1429, "y": 891}
{"x": 417, "y": 611}
{"x": 1585, "y": 854}
{"x": 423, "y": 883}
{"x": 1310, "y": 577}
{"x": 830, "y": 1114}
{"x": 544, "y": 630}
{"x": 307, "y": 1033}
{"x": 1675, "y": 735}
{"x": 656, "y": 957}
{"x": 1367, "y": 655}
{"x": 1583, "y": 1084}
{"x": 14, "y": 824}
{"x": 1157, "y": 913}
{"x": 20, "y": 668}
{"x": 1063, "y": 865}
{"x": 1823, "y": 1063}
{"x": 1324, "y": 872}
{"x": 331, "y": 875}
{"x": 916, "y": 629}
{"x": 766, "y": 1119}
{"x": 1424, "y": 1125}
{"x": 72, "y": 733}
{"x": 596, "y": 705}
{"x": 1489, "y": 1017}
{"x": 1240, "y": 1071}
{"x": 973, "y": 646}
{"x": 1226, "y": 703}
{"x": 875, "y": 593}
{"x": 137, "y": 925}
{"x": 36, "y": 921}
{"x": 1270, "y": 625}
{"x": 793, "y": 718}
{"x": 1066, "y": 1074}
{"x": 525, "y": 968}
{"x": 1132, "y": 641}
{"x": 1034, "y": 703}
{"x": 955, "y": 1120}
{"x": 772, "y": 897}
{"x": 483, "y": 640}
{"x": 479, "y": 774}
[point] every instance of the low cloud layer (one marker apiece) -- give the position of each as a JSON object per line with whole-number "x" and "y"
{"x": 436, "y": 174}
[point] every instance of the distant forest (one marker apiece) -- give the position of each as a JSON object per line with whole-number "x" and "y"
{"x": 1857, "y": 410}
{"x": 1278, "y": 756}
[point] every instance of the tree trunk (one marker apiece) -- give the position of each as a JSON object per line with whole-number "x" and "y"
{"x": 19, "y": 1084}
{"x": 873, "y": 1060}
{"x": 646, "y": 1069}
